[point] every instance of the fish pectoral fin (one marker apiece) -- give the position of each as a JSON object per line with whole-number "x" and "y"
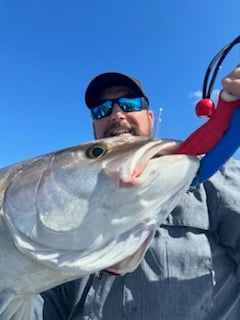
{"x": 16, "y": 307}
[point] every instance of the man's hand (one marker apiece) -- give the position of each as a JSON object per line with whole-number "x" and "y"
{"x": 231, "y": 85}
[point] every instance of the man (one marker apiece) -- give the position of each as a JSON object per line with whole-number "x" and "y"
{"x": 192, "y": 269}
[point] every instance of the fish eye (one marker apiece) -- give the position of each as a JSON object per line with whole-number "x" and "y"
{"x": 96, "y": 151}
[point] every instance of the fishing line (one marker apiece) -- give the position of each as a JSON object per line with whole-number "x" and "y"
{"x": 159, "y": 120}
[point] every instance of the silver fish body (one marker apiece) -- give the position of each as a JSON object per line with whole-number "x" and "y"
{"x": 77, "y": 211}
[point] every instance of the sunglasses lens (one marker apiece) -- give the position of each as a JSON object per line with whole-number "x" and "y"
{"x": 102, "y": 111}
{"x": 130, "y": 104}
{"x": 126, "y": 104}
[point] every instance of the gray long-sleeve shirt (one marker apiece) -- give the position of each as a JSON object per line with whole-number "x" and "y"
{"x": 191, "y": 270}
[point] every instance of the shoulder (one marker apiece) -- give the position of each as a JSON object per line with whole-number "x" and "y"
{"x": 232, "y": 164}
{"x": 228, "y": 174}
{"x": 222, "y": 189}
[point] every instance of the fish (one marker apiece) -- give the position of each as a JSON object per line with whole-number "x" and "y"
{"x": 81, "y": 210}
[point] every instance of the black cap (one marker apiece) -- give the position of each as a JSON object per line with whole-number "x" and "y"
{"x": 109, "y": 79}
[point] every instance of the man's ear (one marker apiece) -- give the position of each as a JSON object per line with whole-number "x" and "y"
{"x": 151, "y": 117}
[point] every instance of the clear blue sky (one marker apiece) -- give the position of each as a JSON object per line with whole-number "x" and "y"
{"x": 51, "y": 49}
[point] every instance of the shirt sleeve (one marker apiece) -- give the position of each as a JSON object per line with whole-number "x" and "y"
{"x": 66, "y": 300}
{"x": 224, "y": 207}
{"x": 58, "y": 302}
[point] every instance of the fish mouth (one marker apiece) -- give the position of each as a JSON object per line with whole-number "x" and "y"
{"x": 133, "y": 175}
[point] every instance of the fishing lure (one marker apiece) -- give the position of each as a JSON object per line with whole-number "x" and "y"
{"x": 219, "y": 137}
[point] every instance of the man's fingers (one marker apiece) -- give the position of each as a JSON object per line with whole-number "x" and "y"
{"x": 231, "y": 83}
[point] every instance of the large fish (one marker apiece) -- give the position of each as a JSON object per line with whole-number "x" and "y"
{"x": 81, "y": 210}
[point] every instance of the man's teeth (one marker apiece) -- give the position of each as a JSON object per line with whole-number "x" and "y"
{"x": 120, "y": 131}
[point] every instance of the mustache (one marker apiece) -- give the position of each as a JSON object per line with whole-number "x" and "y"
{"x": 129, "y": 126}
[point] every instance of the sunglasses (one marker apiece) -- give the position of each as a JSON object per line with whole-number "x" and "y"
{"x": 126, "y": 105}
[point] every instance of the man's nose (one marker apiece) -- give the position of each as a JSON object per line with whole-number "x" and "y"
{"x": 117, "y": 113}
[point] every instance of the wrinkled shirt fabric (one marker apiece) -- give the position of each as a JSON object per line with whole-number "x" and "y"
{"x": 191, "y": 270}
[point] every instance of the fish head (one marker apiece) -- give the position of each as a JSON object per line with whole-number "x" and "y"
{"x": 97, "y": 205}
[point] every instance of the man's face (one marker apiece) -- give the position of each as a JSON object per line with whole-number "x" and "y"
{"x": 119, "y": 123}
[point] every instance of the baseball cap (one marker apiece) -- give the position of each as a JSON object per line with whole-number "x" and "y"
{"x": 109, "y": 79}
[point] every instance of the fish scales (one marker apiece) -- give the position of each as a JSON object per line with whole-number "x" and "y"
{"x": 83, "y": 209}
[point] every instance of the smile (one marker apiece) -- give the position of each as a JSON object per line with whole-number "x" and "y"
{"x": 120, "y": 131}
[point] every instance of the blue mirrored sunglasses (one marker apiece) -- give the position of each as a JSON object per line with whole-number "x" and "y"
{"x": 126, "y": 105}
